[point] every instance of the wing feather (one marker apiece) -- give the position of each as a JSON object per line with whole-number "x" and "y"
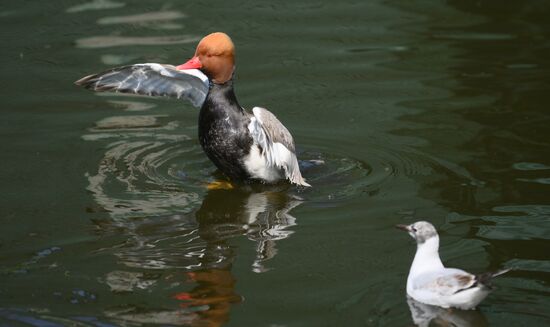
{"x": 152, "y": 80}
{"x": 445, "y": 283}
{"x": 277, "y": 144}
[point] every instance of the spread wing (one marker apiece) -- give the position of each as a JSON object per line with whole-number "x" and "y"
{"x": 152, "y": 80}
{"x": 445, "y": 282}
{"x": 276, "y": 143}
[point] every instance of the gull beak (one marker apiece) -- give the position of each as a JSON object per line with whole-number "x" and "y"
{"x": 406, "y": 228}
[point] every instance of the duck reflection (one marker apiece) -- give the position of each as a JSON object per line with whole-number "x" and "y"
{"x": 424, "y": 315}
{"x": 261, "y": 216}
{"x": 197, "y": 247}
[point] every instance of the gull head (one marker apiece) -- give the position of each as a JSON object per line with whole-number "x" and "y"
{"x": 421, "y": 231}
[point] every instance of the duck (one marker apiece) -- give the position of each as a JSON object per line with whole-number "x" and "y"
{"x": 246, "y": 146}
{"x": 430, "y": 282}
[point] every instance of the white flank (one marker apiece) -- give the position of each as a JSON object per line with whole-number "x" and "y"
{"x": 258, "y": 167}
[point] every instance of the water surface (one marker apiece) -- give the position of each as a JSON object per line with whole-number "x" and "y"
{"x": 423, "y": 110}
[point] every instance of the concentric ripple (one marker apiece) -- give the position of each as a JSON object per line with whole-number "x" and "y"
{"x": 151, "y": 180}
{"x": 340, "y": 176}
{"x": 148, "y": 167}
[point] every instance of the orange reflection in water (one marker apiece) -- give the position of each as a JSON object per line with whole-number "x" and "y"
{"x": 215, "y": 291}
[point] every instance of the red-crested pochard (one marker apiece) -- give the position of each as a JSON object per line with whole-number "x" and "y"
{"x": 245, "y": 146}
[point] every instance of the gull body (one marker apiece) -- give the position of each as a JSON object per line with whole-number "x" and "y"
{"x": 430, "y": 282}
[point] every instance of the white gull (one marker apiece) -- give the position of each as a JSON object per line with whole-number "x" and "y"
{"x": 431, "y": 283}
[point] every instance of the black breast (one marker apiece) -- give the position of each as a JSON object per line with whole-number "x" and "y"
{"x": 223, "y": 131}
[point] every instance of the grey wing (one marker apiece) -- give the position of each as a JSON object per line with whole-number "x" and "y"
{"x": 152, "y": 80}
{"x": 446, "y": 282}
{"x": 276, "y": 143}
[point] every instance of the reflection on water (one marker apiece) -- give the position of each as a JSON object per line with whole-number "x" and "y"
{"x": 95, "y": 5}
{"x": 131, "y": 106}
{"x": 200, "y": 239}
{"x": 108, "y": 41}
{"x": 154, "y": 20}
{"x": 207, "y": 304}
{"x": 263, "y": 217}
{"x": 149, "y": 181}
{"x": 153, "y": 16}
{"x": 199, "y": 246}
{"x": 140, "y": 172}
{"x": 424, "y": 315}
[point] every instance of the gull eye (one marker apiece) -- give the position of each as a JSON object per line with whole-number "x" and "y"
{"x": 413, "y": 229}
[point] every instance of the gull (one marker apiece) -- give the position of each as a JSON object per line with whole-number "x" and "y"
{"x": 430, "y": 282}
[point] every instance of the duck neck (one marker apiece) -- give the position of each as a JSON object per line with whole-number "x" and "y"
{"x": 221, "y": 96}
{"x": 426, "y": 257}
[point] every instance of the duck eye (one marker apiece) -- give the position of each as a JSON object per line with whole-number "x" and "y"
{"x": 413, "y": 229}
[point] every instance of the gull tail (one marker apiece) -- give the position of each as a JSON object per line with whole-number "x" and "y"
{"x": 486, "y": 278}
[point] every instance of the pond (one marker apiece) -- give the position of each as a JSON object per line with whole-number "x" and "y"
{"x": 411, "y": 110}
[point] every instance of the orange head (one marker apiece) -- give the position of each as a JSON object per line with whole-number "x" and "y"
{"x": 215, "y": 56}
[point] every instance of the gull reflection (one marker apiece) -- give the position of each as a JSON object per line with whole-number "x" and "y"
{"x": 425, "y": 315}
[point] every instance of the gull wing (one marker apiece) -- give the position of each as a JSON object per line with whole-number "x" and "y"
{"x": 445, "y": 282}
{"x": 152, "y": 80}
{"x": 276, "y": 144}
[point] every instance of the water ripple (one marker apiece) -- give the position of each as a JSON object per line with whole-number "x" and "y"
{"x": 530, "y": 166}
{"x": 151, "y": 179}
{"x": 153, "y": 16}
{"x": 523, "y": 222}
{"x": 95, "y": 5}
{"x": 343, "y": 177}
{"x": 108, "y": 41}
{"x": 141, "y": 172}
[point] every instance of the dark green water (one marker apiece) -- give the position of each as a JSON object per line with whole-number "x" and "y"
{"x": 424, "y": 110}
